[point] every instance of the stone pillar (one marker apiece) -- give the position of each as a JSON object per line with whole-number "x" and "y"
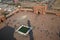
{"x": 0, "y": 0}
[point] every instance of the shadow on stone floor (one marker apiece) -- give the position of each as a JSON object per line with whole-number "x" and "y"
{"x": 31, "y": 32}
{"x": 7, "y": 33}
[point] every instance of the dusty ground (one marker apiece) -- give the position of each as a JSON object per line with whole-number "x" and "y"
{"x": 45, "y": 27}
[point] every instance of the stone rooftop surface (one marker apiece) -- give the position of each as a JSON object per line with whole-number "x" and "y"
{"x": 45, "y": 27}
